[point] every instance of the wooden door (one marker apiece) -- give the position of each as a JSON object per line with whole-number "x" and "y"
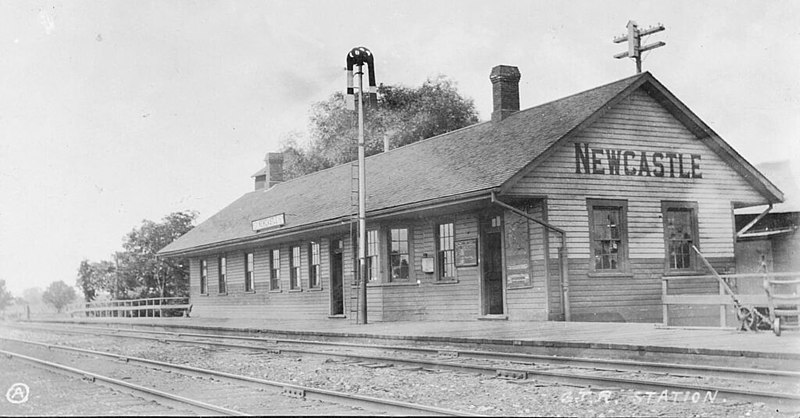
{"x": 337, "y": 275}
{"x": 493, "y": 266}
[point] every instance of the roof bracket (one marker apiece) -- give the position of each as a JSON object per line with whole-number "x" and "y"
{"x": 753, "y": 222}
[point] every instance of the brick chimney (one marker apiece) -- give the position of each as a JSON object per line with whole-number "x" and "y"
{"x": 505, "y": 91}
{"x": 272, "y": 173}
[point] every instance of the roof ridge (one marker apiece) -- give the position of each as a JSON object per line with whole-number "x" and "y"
{"x": 646, "y": 73}
{"x": 620, "y": 81}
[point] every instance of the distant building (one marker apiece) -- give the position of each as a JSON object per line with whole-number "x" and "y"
{"x": 773, "y": 238}
{"x": 470, "y": 224}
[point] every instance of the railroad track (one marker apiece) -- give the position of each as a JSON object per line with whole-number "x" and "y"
{"x": 727, "y": 382}
{"x": 240, "y": 388}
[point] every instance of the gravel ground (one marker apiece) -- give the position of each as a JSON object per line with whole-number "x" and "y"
{"x": 467, "y": 392}
{"x": 55, "y": 394}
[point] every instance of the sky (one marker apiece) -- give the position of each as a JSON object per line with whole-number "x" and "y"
{"x": 117, "y": 111}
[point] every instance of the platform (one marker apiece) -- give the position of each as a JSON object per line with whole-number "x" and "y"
{"x": 650, "y": 342}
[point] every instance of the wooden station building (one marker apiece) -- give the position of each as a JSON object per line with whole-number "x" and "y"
{"x": 570, "y": 210}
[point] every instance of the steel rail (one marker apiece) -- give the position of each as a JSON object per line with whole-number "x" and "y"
{"x": 546, "y": 375}
{"x": 550, "y": 376}
{"x": 116, "y": 382}
{"x": 627, "y": 365}
{"x": 387, "y": 405}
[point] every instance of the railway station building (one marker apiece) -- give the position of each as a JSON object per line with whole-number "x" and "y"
{"x": 571, "y": 210}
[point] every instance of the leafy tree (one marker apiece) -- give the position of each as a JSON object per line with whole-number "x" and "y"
{"x": 59, "y": 294}
{"x": 95, "y": 277}
{"x": 141, "y": 274}
{"x": 403, "y": 115}
{"x": 5, "y": 296}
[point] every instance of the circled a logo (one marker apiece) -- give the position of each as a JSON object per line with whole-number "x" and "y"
{"x": 18, "y": 393}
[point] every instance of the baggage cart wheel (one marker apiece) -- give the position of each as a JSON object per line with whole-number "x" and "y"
{"x": 776, "y": 326}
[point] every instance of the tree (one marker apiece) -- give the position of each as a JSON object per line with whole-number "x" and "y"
{"x": 94, "y": 278}
{"x": 141, "y": 273}
{"x": 5, "y": 296}
{"x": 403, "y": 115}
{"x": 59, "y": 294}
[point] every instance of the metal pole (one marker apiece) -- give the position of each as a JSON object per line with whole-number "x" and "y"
{"x": 362, "y": 203}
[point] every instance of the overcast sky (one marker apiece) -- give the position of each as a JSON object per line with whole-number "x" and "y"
{"x": 112, "y": 112}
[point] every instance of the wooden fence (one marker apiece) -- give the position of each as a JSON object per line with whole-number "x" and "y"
{"x": 748, "y": 288}
{"x": 134, "y": 308}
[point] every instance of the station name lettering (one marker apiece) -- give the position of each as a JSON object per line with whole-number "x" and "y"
{"x": 619, "y": 162}
{"x": 272, "y": 221}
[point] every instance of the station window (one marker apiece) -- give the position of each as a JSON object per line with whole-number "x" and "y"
{"x": 373, "y": 260}
{"x": 223, "y": 274}
{"x": 446, "y": 262}
{"x": 249, "y": 275}
{"x": 294, "y": 268}
{"x": 399, "y": 255}
{"x": 275, "y": 270}
{"x": 609, "y": 240}
{"x": 204, "y": 276}
{"x": 680, "y": 234}
{"x": 313, "y": 268}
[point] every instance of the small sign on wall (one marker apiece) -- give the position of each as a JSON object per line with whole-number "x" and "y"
{"x": 270, "y": 222}
{"x": 427, "y": 264}
{"x": 467, "y": 253}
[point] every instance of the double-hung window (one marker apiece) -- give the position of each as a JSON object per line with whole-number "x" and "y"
{"x": 249, "y": 275}
{"x": 608, "y": 234}
{"x": 204, "y": 276}
{"x": 373, "y": 259}
{"x": 680, "y": 234}
{"x": 275, "y": 269}
{"x": 445, "y": 255}
{"x": 313, "y": 267}
{"x": 399, "y": 256}
{"x": 223, "y": 274}
{"x": 294, "y": 268}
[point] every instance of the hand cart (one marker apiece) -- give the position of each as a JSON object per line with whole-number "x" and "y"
{"x": 752, "y": 318}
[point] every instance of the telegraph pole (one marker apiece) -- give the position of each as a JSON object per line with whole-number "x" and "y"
{"x": 359, "y": 57}
{"x": 634, "y": 38}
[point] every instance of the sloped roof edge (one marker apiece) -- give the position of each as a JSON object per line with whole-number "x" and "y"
{"x": 714, "y": 141}
{"x": 681, "y": 112}
{"x": 487, "y": 155}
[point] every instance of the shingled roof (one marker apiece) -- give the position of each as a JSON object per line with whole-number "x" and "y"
{"x": 473, "y": 160}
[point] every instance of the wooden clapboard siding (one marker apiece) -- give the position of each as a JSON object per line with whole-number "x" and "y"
{"x": 648, "y": 127}
{"x": 638, "y": 124}
{"x": 531, "y": 303}
{"x": 262, "y": 303}
{"x": 427, "y": 299}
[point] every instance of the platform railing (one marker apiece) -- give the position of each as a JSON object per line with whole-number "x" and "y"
{"x": 134, "y": 308}
{"x": 749, "y": 289}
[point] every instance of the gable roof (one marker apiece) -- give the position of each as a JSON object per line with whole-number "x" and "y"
{"x": 485, "y": 157}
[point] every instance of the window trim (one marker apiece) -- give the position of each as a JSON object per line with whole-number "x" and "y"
{"x": 437, "y": 268}
{"x": 295, "y": 270}
{"x": 204, "y": 276}
{"x": 409, "y": 248}
{"x": 222, "y": 279}
{"x": 694, "y": 215}
{"x": 377, "y": 257}
{"x": 315, "y": 270}
{"x": 623, "y": 256}
{"x": 274, "y": 269}
{"x": 249, "y": 272}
